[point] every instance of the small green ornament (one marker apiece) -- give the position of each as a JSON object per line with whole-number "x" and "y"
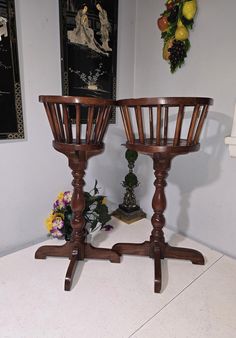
{"x": 131, "y": 155}
{"x": 131, "y": 180}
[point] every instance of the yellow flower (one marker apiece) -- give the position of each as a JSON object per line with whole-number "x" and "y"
{"x": 60, "y": 196}
{"x": 104, "y": 200}
{"x": 52, "y": 220}
{"x": 48, "y": 221}
{"x": 58, "y": 215}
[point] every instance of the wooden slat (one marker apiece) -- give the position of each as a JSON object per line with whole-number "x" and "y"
{"x": 193, "y": 122}
{"x": 55, "y": 121}
{"x": 166, "y": 122}
{"x": 104, "y": 126}
{"x": 50, "y": 119}
{"x": 89, "y": 123}
{"x": 127, "y": 122}
{"x": 139, "y": 119}
{"x": 101, "y": 123}
{"x": 200, "y": 124}
{"x": 66, "y": 121}
{"x": 151, "y": 123}
{"x": 78, "y": 124}
{"x": 158, "y": 126}
{"x": 97, "y": 125}
{"x": 61, "y": 127}
{"x": 179, "y": 123}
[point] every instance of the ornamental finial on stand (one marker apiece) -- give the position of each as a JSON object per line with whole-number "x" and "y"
{"x": 129, "y": 211}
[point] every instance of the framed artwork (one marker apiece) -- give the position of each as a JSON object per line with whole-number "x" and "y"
{"x": 89, "y": 48}
{"x": 11, "y": 116}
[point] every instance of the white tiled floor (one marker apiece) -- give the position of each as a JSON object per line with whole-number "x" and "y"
{"x": 117, "y": 300}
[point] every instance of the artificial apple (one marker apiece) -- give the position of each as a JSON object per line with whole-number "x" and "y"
{"x": 163, "y": 23}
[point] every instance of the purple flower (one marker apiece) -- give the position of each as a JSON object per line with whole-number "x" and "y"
{"x": 55, "y": 232}
{"x": 67, "y": 197}
{"x": 107, "y": 227}
{"x": 58, "y": 222}
{"x": 59, "y": 205}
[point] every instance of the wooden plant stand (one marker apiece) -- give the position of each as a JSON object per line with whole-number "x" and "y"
{"x": 162, "y": 148}
{"x": 60, "y": 111}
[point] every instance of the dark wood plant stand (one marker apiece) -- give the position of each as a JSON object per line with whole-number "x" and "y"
{"x": 162, "y": 149}
{"x": 59, "y": 111}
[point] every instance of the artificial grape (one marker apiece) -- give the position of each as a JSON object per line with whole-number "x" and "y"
{"x": 177, "y": 54}
{"x": 173, "y": 14}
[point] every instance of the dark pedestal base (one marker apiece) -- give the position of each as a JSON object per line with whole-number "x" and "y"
{"x": 129, "y": 217}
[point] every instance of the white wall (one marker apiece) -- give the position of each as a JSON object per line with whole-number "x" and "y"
{"x": 201, "y": 186}
{"x": 32, "y": 172}
{"x": 111, "y": 167}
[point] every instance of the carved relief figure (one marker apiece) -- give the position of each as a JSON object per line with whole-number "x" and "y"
{"x": 83, "y": 34}
{"x": 105, "y": 27}
{"x": 3, "y": 27}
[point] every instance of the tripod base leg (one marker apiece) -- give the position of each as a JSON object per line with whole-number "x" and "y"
{"x": 157, "y": 269}
{"x": 184, "y": 253}
{"x": 75, "y": 253}
{"x": 70, "y": 272}
{"x": 159, "y": 251}
{"x": 53, "y": 250}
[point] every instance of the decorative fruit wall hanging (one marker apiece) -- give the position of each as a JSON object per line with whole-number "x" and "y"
{"x": 174, "y": 24}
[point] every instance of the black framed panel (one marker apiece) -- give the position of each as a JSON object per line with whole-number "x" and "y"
{"x": 89, "y": 48}
{"x": 11, "y": 115}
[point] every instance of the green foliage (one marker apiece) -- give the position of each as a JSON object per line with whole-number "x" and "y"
{"x": 131, "y": 155}
{"x": 95, "y": 214}
{"x": 130, "y": 181}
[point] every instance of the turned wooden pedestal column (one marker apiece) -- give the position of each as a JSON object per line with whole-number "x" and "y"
{"x": 61, "y": 112}
{"x": 156, "y": 142}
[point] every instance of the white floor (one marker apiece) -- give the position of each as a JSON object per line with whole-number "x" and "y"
{"x": 111, "y": 300}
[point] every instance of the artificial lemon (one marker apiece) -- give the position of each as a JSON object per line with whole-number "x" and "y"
{"x": 189, "y": 9}
{"x": 181, "y": 33}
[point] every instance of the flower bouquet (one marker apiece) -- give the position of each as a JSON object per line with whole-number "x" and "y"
{"x": 96, "y": 214}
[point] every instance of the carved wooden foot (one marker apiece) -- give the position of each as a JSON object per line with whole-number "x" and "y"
{"x": 101, "y": 253}
{"x": 53, "y": 250}
{"x": 157, "y": 269}
{"x": 70, "y": 271}
{"x": 183, "y": 253}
